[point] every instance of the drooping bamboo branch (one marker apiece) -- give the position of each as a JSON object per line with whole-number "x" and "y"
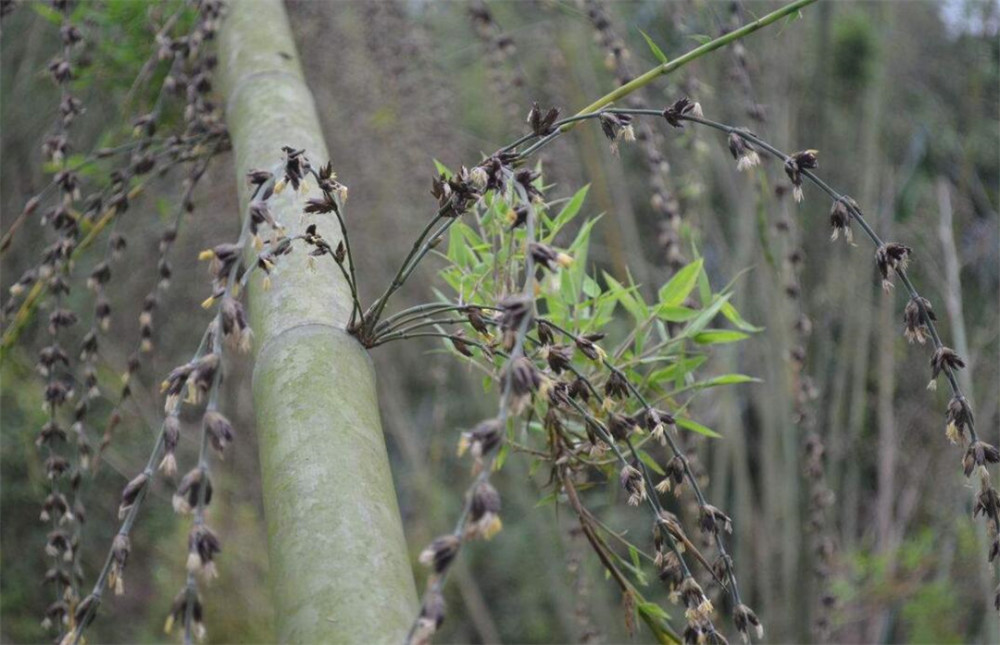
{"x": 338, "y": 563}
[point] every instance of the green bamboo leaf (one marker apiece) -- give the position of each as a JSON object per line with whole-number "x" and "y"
{"x": 719, "y": 336}
{"x": 569, "y": 211}
{"x": 731, "y": 379}
{"x": 443, "y": 169}
{"x": 680, "y": 368}
{"x": 706, "y": 316}
{"x": 694, "y": 426}
{"x": 653, "y": 610}
{"x": 676, "y": 291}
{"x": 675, "y": 314}
{"x": 634, "y": 554}
{"x": 627, "y": 299}
{"x": 501, "y": 457}
{"x": 650, "y": 463}
{"x": 726, "y": 379}
{"x": 660, "y": 56}
{"x": 733, "y": 316}
{"x": 590, "y": 287}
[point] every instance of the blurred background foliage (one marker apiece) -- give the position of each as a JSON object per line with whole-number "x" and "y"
{"x": 901, "y": 100}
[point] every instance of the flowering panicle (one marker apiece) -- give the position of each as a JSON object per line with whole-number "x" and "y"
{"x": 617, "y": 127}
{"x": 795, "y": 164}
{"x": 892, "y": 258}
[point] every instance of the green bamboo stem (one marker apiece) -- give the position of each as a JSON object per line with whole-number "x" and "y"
{"x": 339, "y": 570}
{"x": 670, "y": 66}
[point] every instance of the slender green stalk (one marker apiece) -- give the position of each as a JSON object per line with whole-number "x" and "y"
{"x": 694, "y": 54}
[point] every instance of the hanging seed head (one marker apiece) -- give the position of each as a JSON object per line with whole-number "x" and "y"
{"x": 578, "y": 390}
{"x": 891, "y": 257}
{"x": 460, "y": 345}
{"x": 914, "y": 325}
{"x": 430, "y": 619}
{"x": 50, "y": 434}
{"x": 621, "y": 426}
{"x": 699, "y": 608}
{"x": 744, "y": 619}
{"x": 979, "y": 454}
{"x": 121, "y": 547}
{"x": 715, "y": 521}
{"x": 49, "y": 356}
{"x": 174, "y": 384}
{"x": 178, "y": 612}
{"x": 673, "y": 477}
{"x": 743, "y": 152}
{"x": 681, "y": 108}
{"x": 616, "y": 387}
{"x": 320, "y": 205}
{"x": 944, "y": 359}
{"x": 589, "y": 348}
{"x": 559, "y": 357}
{"x": 484, "y": 512}
{"x": 514, "y": 311}
{"x": 657, "y": 422}
{"x": 55, "y": 467}
{"x": 671, "y": 572}
{"x": 219, "y": 430}
{"x": 54, "y": 504}
{"x": 546, "y": 256}
{"x": 694, "y": 634}
{"x": 526, "y": 178}
{"x": 202, "y": 376}
{"x": 481, "y": 440}
{"x": 959, "y": 417}
{"x": 476, "y": 319}
{"x": 188, "y": 492}
{"x": 616, "y": 127}
{"x": 541, "y": 123}
{"x": 634, "y": 484}
{"x": 328, "y": 182}
{"x": 840, "y": 221}
{"x": 171, "y": 437}
{"x": 518, "y": 217}
{"x": 795, "y": 164}
{"x": 100, "y": 275}
{"x": 439, "y": 553}
{"x": 296, "y": 165}
{"x": 131, "y": 492}
{"x": 61, "y": 318}
{"x": 524, "y": 380}
{"x": 59, "y": 542}
{"x": 202, "y": 547}
{"x": 56, "y": 614}
{"x": 260, "y": 214}
{"x": 987, "y": 505}
{"x": 258, "y": 177}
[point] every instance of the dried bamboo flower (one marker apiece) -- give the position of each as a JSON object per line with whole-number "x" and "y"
{"x": 484, "y": 512}
{"x": 203, "y": 544}
{"x": 634, "y": 484}
{"x": 121, "y": 547}
{"x": 914, "y": 325}
{"x": 743, "y": 152}
{"x": 891, "y": 257}
{"x": 439, "y": 553}
{"x": 944, "y": 359}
